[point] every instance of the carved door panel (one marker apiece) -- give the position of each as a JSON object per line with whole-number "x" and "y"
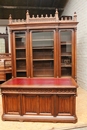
{"x": 12, "y": 104}
{"x": 65, "y": 105}
{"x": 37, "y": 104}
{"x": 46, "y": 105}
{"x": 30, "y": 104}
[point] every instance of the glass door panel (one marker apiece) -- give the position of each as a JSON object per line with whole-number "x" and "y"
{"x": 66, "y": 52}
{"x": 20, "y": 46}
{"x": 43, "y": 53}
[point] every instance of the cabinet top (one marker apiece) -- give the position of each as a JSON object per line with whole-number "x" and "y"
{"x": 42, "y": 19}
{"x": 40, "y": 83}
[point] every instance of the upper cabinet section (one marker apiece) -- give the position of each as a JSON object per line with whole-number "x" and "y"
{"x": 43, "y": 46}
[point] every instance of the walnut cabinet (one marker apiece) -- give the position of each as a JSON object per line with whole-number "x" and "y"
{"x": 43, "y": 86}
{"x": 43, "y": 47}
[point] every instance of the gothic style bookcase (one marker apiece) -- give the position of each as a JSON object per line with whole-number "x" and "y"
{"x": 43, "y": 86}
{"x": 43, "y": 46}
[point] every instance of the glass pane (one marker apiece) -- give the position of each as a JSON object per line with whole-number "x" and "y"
{"x": 20, "y": 53}
{"x": 43, "y": 68}
{"x": 66, "y": 36}
{"x": 66, "y": 71}
{"x": 66, "y": 60}
{"x": 21, "y": 65}
{"x": 42, "y": 39}
{"x": 66, "y": 52}
{"x": 42, "y": 35}
{"x": 20, "y": 39}
{"x": 21, "y": 74}
{"x": 66, "y": 48}
{"x": 43, "y": 53}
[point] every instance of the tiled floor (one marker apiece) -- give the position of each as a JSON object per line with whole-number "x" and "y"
{"x": 81, "y": 110}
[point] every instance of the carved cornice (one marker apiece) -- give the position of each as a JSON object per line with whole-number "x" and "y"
{"x": 42, "y": 19}
{"x": 39, "y": 91}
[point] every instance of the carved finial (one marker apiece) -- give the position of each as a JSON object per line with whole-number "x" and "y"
{"x": 18, "y": 20}
{"x": 33, "y": 16}
{"x": 10, "y": 19}
{"x": 27, "y": 16}
{"x": 22, "y": 20}
{"x": 56, "y": 15}
{"x": 66, "y": 18}
{"x": 75, "y": 16}
{"x": 15, "y": 20}
{"x": 50, "y": 15}
{"x": 37, "y": 16}
{"x": 42, "y": 16}
{"x": 46, "y": 16}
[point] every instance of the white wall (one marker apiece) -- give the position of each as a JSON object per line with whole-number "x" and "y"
{"x": 80, "y": 7}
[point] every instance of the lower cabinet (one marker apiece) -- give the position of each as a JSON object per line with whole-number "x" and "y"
{"x": 52, "y": 105}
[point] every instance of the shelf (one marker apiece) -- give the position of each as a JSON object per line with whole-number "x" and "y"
{"x": 43, "y": 59}
{"x": 35, "y": 40}
{"x": 66, "y": 43}
{"x": 21, "y": 58}
{"x": 43, "y": 72}
{"x": 66, "y": 54}
{"x": 20, "y": 48}
{"x": 43, "y": 47}
{"x": 66, "y": 65}
{"x": 20, "y": 37}
{"x": 20, "y": 70}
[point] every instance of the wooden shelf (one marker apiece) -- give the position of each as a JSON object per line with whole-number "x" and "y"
{"x": 66, "y": 54}
{"x": 20, "y": 48}
{"x": 20, "y": 70}
{"x": 43, "y": 47}
{"x": 43, "y": 59}
{"x": 35, "y": 40}
{"x": 66, "y": 65}
{"x": 66, "y": 43}
{"x": 21, "y": 58}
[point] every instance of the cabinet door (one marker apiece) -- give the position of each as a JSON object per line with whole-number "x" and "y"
{"x": 19, "y": 48}
{"x": 11, "y": 104}
{"x": 42, "y": 53}
{"x": 66, "y": 41}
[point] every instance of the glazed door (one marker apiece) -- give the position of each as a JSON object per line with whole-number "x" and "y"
{"x": 67, "y": 56}
{"x": 42, "y": 53}
{"x": 19, "y": 50}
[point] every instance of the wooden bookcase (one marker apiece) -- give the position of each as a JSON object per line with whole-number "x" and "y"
{"x": 43, "y": 86}
{"x": 43, "y": 47}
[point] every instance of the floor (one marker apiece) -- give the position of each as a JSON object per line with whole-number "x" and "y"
{"x": 81, "y": 111}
